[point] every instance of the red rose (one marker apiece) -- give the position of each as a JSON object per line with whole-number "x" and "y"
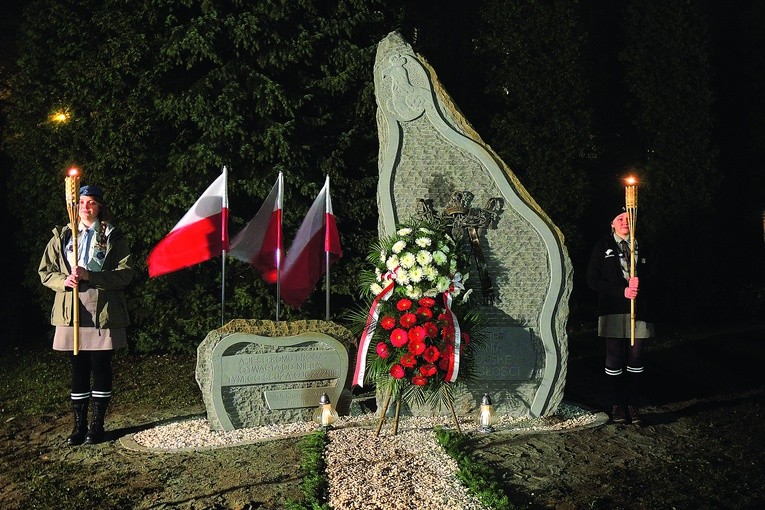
{"x": 403, "y": 304}
{"x": 424, "y": 312}
{"x": 431, "y": 354}
{"x": 408, "y": 360}
{"x": 416, "y": 347}
{"x": 408, "y": 320}
{"x": 399, "y": 337}
{"x": 443, "y": 317}
{"x": 419, "y": 380}
{"x": 388, "y": 322}
{"x": 428, "y": 370}
{"x": 431, "y": 330}
{"x": 427, "y": 302}
{"x": 382, "y": 350}
{"x": 397, "y": 371}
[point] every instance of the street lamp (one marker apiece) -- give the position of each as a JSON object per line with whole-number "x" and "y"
{"x": 60, "y": 117}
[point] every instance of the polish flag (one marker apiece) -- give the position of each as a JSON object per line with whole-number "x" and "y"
{"x": 260, "y": 242}
{"x": 200, "y": 235}
{"x": 305, "y": 261}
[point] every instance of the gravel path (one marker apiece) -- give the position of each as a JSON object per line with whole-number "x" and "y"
{"x": 364, "y": 471}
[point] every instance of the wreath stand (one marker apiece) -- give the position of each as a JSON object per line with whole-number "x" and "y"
{"x": 384, "y": 411}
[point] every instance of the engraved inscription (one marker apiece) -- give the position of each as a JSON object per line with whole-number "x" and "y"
{"x": 507, "y": 354}
{"x": 278, "y": 367}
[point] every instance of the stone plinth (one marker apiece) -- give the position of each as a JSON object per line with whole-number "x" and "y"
{"x": 254, "y": 373}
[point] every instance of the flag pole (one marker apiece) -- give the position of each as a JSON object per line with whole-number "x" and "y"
{"x": 326, "y": 280}
{"x": 224, "y": 246}
{"x": 280, "y": 202}
{"x": 326, "y": 252}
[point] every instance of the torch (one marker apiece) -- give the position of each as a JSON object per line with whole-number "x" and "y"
{"x": 72, "y": 188}
{"x": 631, "y": 204}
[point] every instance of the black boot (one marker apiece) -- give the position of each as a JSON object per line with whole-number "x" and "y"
{"x": 617, "y": 394}
{"x": 634, "y": 376}
{"x": 80, "y": 430}
{"x": 96, "y": 430}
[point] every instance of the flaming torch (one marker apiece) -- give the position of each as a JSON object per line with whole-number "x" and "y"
{"x": 72, "y": 189}
{"x": 631, "y": 205}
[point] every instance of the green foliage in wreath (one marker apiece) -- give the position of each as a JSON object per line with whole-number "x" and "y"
{"x": 418, "y": 289}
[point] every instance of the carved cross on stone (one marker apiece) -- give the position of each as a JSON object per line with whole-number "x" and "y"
{"x": 462, "y": 220}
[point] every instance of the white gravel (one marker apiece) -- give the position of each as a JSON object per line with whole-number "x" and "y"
{"x": 408, "y": 470}
{"x": 365, "y": 471}
{"x": 195, "y": 434}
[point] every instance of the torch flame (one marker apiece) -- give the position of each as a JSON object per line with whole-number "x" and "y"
{"x": 631, "y": 180}
{"x": 73, "y": 171}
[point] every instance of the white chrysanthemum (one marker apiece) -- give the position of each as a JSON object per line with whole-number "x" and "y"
{"x": 424, "y": 257}
{"x": 453, "y": 266}
{"x": 407, "y": 260}
{"x": 392, "y": 263}
{"x": 430, "y": 293}
{"x": 383, "y": 255}
{"x": 430, "y": 273}
{"x": 439, "y": 258}
{"x": 404, "y": 231}
{"x": 425, "y": 230}
{"x": 413, "y": 292}
{"x": 423, "y": 242}
{"x": 402, "y": 277}
{"x": 416, "y": 274}
{"x": 375, "y": 288}
{"x": 398, "y": 246}
{"x": 378, "y": 274}
{"x": 442, "y": 284}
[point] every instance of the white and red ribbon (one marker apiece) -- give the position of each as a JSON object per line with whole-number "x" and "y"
{"x": 454, "y": 329}
{"x": 369, "y": 331}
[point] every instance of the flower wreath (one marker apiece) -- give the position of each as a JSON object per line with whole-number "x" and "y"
{"x": 419, "y": 332}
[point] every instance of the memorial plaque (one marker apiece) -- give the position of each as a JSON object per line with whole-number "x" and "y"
{"x": 507, "y": 354}
{"x": 250, "y": 379}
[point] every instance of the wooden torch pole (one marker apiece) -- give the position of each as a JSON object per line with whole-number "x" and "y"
{"x": 631, "y": 204}
{"x": 72, "y": 186}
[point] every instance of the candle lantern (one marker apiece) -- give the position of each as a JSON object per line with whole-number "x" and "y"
{"x": 325, "y": 415}
{"x": 486, "y": 417}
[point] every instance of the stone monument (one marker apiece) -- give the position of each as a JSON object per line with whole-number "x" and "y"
{"x": 433, "y": 164}
{"x": 254, "y": 373}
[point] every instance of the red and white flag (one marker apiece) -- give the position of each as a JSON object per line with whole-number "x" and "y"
{"x": 200, "y": 235}
{"x": 260, "y": 242}
{"x": 305, "y": 261}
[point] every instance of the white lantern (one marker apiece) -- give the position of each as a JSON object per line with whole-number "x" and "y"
{"x": 324, "y": 414}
